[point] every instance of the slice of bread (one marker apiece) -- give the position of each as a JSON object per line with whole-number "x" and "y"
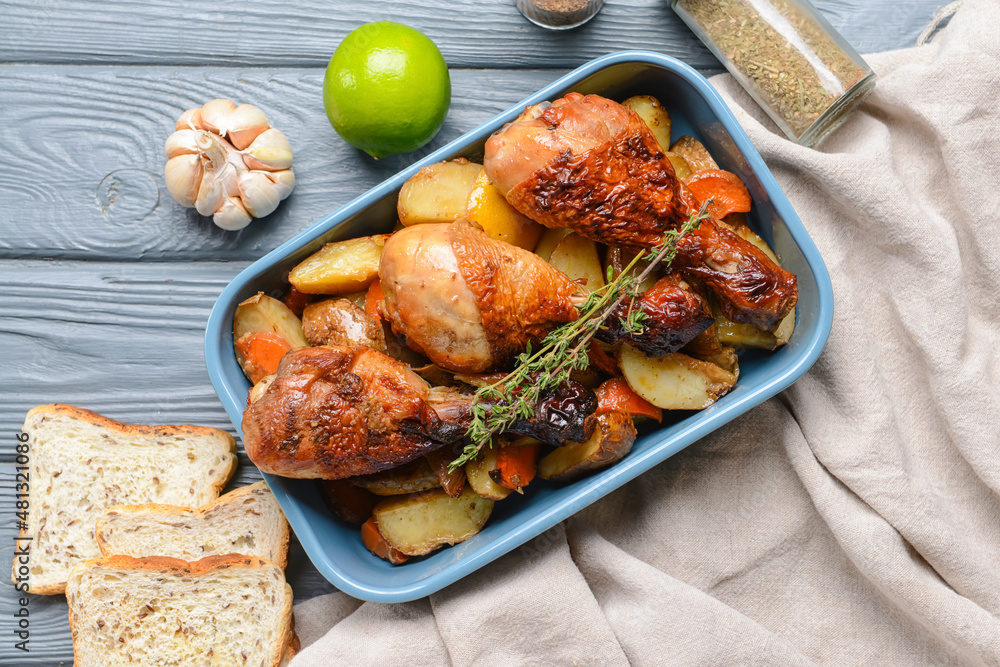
{"x": 82, "y": 463}
{"x": 246, "y": 521}
{"x": 220, "y": 610}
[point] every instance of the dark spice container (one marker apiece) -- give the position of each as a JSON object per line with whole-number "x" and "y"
{"x": 793, "y": 63}
{"x": 559, "y": 14}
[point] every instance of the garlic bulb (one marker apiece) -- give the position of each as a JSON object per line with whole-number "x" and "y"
{"x": 228, "y": 162}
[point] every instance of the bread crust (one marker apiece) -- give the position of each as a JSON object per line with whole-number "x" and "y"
{"x": 232, "y": 497}
{"x": 177, "y": 567}
{"x": 41, "y": 411}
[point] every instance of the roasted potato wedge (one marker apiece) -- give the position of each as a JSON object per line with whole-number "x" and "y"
{"x": 258, "y": 389}
{"x": 411, "y": 477}
{"x": 681, "y": 167}
{"x": 549, "y": 240}
{"x": 478, "y": 470}
{"x": 724, "y": 358}
{"x": 674, "y": 381}
{"x": 739, "y": 334}
{"x": 437, "y": 193}
{"x": 341, "y": 322}
{"x": 420, "y": 523}
{"x": 341, "y": 267}
{"x": 656, "y": 117}
{"x": 577, "y": 257}
{"x": 694, "y": 153}
{"x": 488, "y": 209}
{"x": 261, "y": 313}
{"x": 611, "y": 441}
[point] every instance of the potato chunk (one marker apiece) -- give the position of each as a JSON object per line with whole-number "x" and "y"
{"x": 694, "y": 153}
{"x": 488, "y": 209}
{"x": 549, "y": 240}
{"x": 674, "y": 381}
{"x": 611, "y": 441}
{"x": 654, "y": 115}
{"x": 478, "y": 470}
{"x": 341, "y": 267}
{"x": 437, "y": 193}
{"x": 577, "y": 257}
{"x": 263, "y": 314}
{"x": 420, "y": 523}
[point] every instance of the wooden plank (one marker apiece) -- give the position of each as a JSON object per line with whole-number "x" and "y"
{"x": 81, "y": 156}
{"x": 49, "y": 640}
{"x": 470, "y": 33}
{"x": 124, "y": 339}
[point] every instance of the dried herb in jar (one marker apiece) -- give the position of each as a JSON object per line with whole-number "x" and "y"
{"x": 790, "y": 61}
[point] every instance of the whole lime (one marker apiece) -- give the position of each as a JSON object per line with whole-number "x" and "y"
{"x": 386, "y": 89}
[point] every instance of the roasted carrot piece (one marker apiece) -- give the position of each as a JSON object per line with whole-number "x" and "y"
{"x": 725, "y": 188}
{"x": 297, "y": 301}
{"x": 601, "y": 360}
{"x": 378, "y": 545}
{"x": 373, "y": 299}
{"x": 515, "y": 466}
{"x": 261, "y": 351}
{"x": 615, "y": 394}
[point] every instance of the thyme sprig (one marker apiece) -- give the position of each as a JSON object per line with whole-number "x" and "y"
{"x": 514, "y": 397}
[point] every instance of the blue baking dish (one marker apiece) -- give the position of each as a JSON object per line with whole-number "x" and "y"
{"x": 697, "y": 110}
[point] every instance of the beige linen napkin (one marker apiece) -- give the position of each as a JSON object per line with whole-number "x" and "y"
{"x": 852, "y": 520}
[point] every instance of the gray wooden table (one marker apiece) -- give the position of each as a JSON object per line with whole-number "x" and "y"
{"x": 106, "y": 282}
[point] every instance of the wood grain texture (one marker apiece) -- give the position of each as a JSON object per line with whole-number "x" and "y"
{"x": 81, "y": 156}
{"x": 123, "y": 339}
{"x": 470, "y": 33}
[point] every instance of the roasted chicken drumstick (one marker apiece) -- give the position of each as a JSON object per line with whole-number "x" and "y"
{"x": 336, "y": 412}
{"x": 472, "y": 303}
{"x": 590, "y": 164}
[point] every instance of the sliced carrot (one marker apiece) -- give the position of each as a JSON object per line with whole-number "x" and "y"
{"x": 297, "y": 301}
{"x": 515, "y": 466}
{"x": 373, "y": 300}
{"x": 378, "y": 545}
{"x": 725, "y": 188}
{"x": 600, "y": 359}
{"x": 261, "y": 351}
{"x": 615, "y": 394}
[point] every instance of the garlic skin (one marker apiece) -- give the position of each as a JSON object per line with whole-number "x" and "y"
{"x": 226, "y": 161}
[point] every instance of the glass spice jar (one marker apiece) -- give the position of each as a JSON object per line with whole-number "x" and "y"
{"x": 559, "y": 14}
{"x": 792, "y": 62}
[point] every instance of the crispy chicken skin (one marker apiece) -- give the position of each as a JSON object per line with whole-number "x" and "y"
{"x": 472, "y": 303}
{"x": 336, "y": 412}
{"x": 590, "y": 164}
{"x": 469, "y": 302}
{"x": 674, "y": 317}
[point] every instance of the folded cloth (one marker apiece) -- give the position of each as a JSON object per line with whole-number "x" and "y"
{"x": 855, "y": 518}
